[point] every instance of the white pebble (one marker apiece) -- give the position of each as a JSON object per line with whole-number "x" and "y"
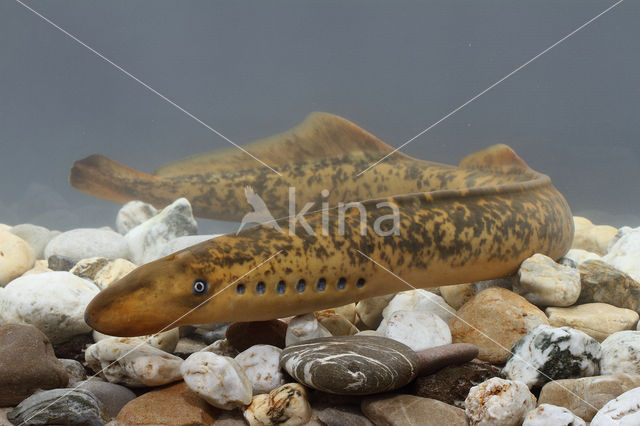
{"x": 88, "y": 242}
{"x": 165, "y": 341}
{"x": 133, "y": 214}
{"x": 621, "y": 353}
{"x": 625, "y": 251}
{"x": 621, "y": 411}
{"x": 37, "y": 236}
{"x": 261, "y": 364}
{"x": 418, "y": 300}
{"x": 102, "y": 272}
{"x": 543, "y": 282}
{"x": 16, "y": 257}
{"x": 547, "y": 414}
{"x": 304, "y": 327}
{"x": 418, "y": 330}
{"x": 579, "y": 256}
{"x": 219, "y": 380}
{"x": 499, "y": 402}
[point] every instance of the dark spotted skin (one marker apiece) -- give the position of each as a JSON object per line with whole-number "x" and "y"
{"x": 475, "y": 222}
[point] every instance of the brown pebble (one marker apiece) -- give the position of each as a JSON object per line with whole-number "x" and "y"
{"x": 243, "y": 335}
{"x": 438, "y": 357}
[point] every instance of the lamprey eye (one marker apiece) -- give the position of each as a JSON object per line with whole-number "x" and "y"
{"x": 200, "y": 287}
{"x": 342, "y": 283}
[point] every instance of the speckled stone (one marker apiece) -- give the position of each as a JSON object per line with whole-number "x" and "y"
{"x": 499, "y": 402}
{"x": 351, "y": 365}
{"x": 304, "y": 327}
{"x": 547, "y": 353}
{"x": 243, "y": 335}
{"x": 621, "y": 411}
{"x": 452, "y": 384}
{"x": 60, "y": 407}
{"x": 602, "y": 282}
{"x": 102, "y": 271}
{"x": 621, "y": 353}
{"x": 547, "y": 414}
{"x": 409, "y": 410}
{"x": 133, "y": 214}
{"x": 624, "y": 251}
{"x": 261, "y": 364}
{"x": 286, "y": 405}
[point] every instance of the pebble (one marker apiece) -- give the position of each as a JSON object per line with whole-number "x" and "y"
{"x": 181, "y": 243}
{"x": 286, "y": 405}
{"x": 438, "y": 357}
{"x": 132, "y": 365}
{"x": 261, "y": 364}
{"x": 499, "y": 402}
{"x": 604, "y": 283}
{"x": 590, "y": 237}
{"x": 547, "y": 414}
{"x": 351, "y": 365}
{"x": 102, "y": 271}
{"x": 39, "y": 267}
{"x": 543, "y": 282}
{"x": 16, "y": 257}
{"x": 171, "y": 405}
{"x": 340, "y": 416}
{"x": 147, "y": 239}
{"x": 598, "y": 320}
{"x": 411, "y": 410}
{"x": 58, "y": 262}
{"x": 60, "y": 407}
{"x": 370, "y": 310}
{"x": 621, "y": 411}
{"x": 243, "y": 335}
{"x": 188, "y": 345}
{"x": 54, "y": 302}
{"x": 457, "y": 295}
{"x": 27, "y": 363}
{"x": 336, "y": 324}
{"x": 133, "y": 214}
{"x": 418, "y": 301}
{"x": 500, "y": 314}
{"x": 219, "y": 380}
{"x": 587, "y": 395}
{"x": 82, "y": 243}
{"x": 165, "y": 341}
{"x": 75, "y": 370}
{"x": 417, "y": 329}
{"x": 113, "y": 397}
{"x": 304, "y": 327}
{"x": 36, "y": 236}
{"x": 347, "y": 311}
{"x": 222, "y": 348}
{"x": 621, "y": 353}
{"x": 452, "y": 384}
{"x": 580, "y": 256}
{"x": 547, "y": 353}
{"x": 624, "y": 252}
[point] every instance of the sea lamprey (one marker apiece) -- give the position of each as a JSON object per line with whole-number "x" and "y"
{"x": 428, "y": 224}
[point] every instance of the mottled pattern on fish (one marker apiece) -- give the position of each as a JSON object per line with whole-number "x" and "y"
{"x": 475, "y": 222}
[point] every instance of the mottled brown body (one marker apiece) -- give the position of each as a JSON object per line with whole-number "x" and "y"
{"x": 474, "y": 222}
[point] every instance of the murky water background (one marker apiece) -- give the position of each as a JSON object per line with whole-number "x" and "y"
{"x": 253, "y": 69}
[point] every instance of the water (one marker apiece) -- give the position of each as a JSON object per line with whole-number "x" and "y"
{"x": 251, "y": 70}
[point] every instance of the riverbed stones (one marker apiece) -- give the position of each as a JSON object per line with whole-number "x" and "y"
{"x": 417, "y": 301}
{"x": 543, "y": 282}
{"x": 243, "y": 335}
{"x": 261, "y": 364}
{"x": 590, "y": 237}
{"x": 547, "y": 414}
{"x": 457, "y": 295}
{"x": 132, "y": 365}
{"x": 604, "y": 283}
{"x": 622, "y": 411}
{"x": 133, "y": 214}
{"x": 146, "y": 240}
{"x": 60, "y": 407}
{"x": 437, "y": 357}
{"x": 221, "y": 347}
{"x": 417, "y": 329}
{"x": 304, "y": 327}
{"x": 286, "y": 405}
{"x": 54, "y": 302}
{"x": 75, "y": 370}
{"x": 411, "y": 410}
{"x": 586, "y": 395}
{"x": 494, "y": 320}
{"x": 16, "y": 257}
{"x": 36, "y": 236}
{"x": 580, "y": 256}
{"x": 621, "y": 353}
{"x": 452, "y": 384}
{"x": 499, "y": 402}
{"x": 82, "y": 243}
{"x": 112, "y": 396}
{"x": 165, "y": 341}
{"x": 102, "y": 271}
{"x": 351, "y": 365}
{"x": 335, "y": 323}
{"x": 598, "y": 320}
{"x": 370, "y": 310}
{"x": 219, "y": 380}
{"x": 27, "y": 363}
{"x": 624, "y": 252}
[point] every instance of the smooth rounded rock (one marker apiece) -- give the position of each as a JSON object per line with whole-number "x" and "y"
{"x": 222, "y": 348}
{"x": 580, "y": 256}
{"x": 351, "y": 365}
{"x": 82, "y": 243}
{"x": 54, "y": 302}
{"x": 409, "y": 410}
{"x": 136, "y": 365}
{"x": 543, "y": 282}
{"x": 27, "y": 363}
{"x": 60, "y": 407}
{"x": 457, "y": 295}
{"x": 102, "y": 271}
{"x": 261, "y": 364}
{"x": 304, "y": 327}
{"x": 499, "y": 402}
{"x": 16, "y": 257}
{"x": 494, "y": 320}
{"x": 604, "y": 283}
{"x": 624, "y": 410}
{"x": 112, "y": 396}
{"x": 547, "y": 414}
{"x": 370, "y": 310}
{"x": 75, "y": 370}
{"x": 133, "y": 214}
{"x": 336, "y": 324}
{"x": 624, "y": 251}
{"x": 165, "y": 341}
{"x": 219, "y": 380}
{"x": 36, "y": 236}
{"x": 243, "y": 335}
{"x": 418, "y": 301}
{"x": 437, "y": 357}
{"x": 417, "y": 329}
{"x": 598, "y": 320}
{"x": 286, "y": 405}
{"x": 621, "y": 353}
{"x": 594, "y": 238}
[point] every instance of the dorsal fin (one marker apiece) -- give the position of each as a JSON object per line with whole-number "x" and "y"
{"x": 319, "y": 136}
{"x": 495, "y": 156}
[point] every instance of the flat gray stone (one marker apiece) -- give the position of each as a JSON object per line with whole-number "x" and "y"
{"x": 60, "y": 407}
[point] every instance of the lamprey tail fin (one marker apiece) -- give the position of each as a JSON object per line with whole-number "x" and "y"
{"x": 319, "y": 136}
{"x": 493, "y": 157}
{"x": 104, "y": 178}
